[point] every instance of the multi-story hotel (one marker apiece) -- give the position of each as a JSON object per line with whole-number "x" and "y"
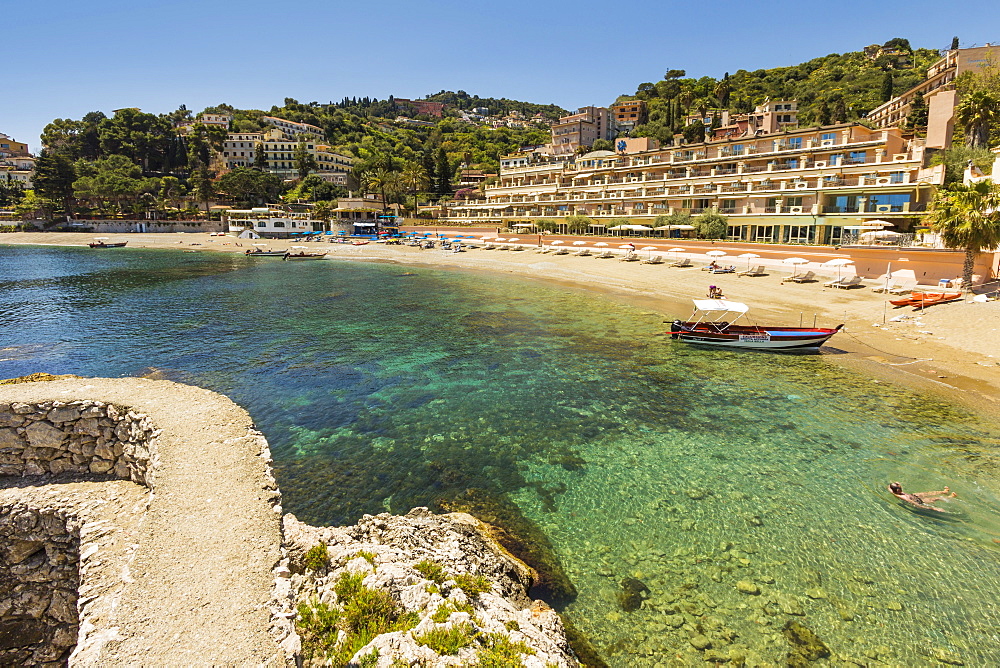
{"x": 292, "y": 128}
{"x": 628, "y": 114}
{"x": 16, "y": 164}
{"x": 240, "y": 149}
{"x": 583, "y": 128}
{"x": 794, "y": 186}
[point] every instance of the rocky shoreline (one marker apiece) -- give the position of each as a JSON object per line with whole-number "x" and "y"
{"x": 142, "y": 524}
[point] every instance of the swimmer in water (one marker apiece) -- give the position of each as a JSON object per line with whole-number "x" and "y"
{"x": 921, "y": 499}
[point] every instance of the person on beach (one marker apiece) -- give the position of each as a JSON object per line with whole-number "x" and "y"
{"x": 714, "y": 292}
{"x": 921, "y": 499}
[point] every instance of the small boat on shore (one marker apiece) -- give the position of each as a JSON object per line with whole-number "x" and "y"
{"x": 305, "y": 255}
{"x": 102, "y": 242}
{"x": 925, "y": 299}
{"x": 712, "y": 324}
{"x": 258, "y": 252}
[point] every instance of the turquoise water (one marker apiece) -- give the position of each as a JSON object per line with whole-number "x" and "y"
{"x": 381, "y": 387}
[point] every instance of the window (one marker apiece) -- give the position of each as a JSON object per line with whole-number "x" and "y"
{"x": 279, "y": 223}
{"x": 897, "y": 177}
{"x": 836, "y": 159}
{"x": 856, "y": 157}
{"x": 261, "y": 224}
{"x": 793, "y": 201}
{"x": 828, "y": 136}
{"x": 736, "y": 149}
{"x": 894, "y": 202}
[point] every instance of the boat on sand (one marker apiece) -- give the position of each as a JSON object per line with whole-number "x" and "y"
{"x": 925, "y": 299}
{"x": 102, "y": 242}
{"x": 713, "y": 323}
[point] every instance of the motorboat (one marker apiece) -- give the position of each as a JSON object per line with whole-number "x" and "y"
{"x": 102, "y": 242}
{"x": 260, "y": 252}
{"x": 305, "y": 255}
{"x": 713, "y": 323}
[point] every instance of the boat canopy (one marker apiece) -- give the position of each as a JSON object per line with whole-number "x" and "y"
{"x": 720, "y": 305}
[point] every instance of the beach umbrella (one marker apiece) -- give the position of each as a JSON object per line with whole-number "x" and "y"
{"x": 794, "y": 261}
{"x": 650, "y": 249}
{"x": 557, "y": 242}
{"x": 625, "y": 246}
{"x": 499, "y": 239}
{"x": 600, "y": 243}
{"x": 749, "y": 256}
{"x": 839, "y": 263}
{"x": 715, "y": 253}
{"x": 576, "y": 243}
{"x": 514, "y": 239}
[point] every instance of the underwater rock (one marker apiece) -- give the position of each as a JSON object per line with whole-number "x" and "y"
{"x": 696, "y": 494}
{"x": 675, "y": 621}
{"x": 631, "y": 596}
{"x": 747, "y": 587}
{"x": 895, "y": 606}
{"x": 790, "y": 605}
{"x": 805, "y": 645}
{"x": 585, "y": 651}
{"x": 844, "y": 609}
{"x": 944, "y": 656}
{"x": 35, "y": 378}
{"x": 700, "y": 641}
{"x": 816, "y": 593}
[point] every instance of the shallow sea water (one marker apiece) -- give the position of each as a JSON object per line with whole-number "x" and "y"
{"x": 381, "y": 387}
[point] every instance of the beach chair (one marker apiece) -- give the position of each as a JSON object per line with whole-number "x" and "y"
{"x": 516, "y": 247}
{"x": 560, "y": 251}
{"x": 807, "y": 277}
{"x": 629, "y": 257}
{"x": 654, "y": 259}
{"x": 903, "y": 288}
{"x": 583, "y": 252}
{"x": 755, "y": 271}
{"x": 684, "y": 262}
{"x": 605, "y": 255}
{"x": 885, "y": 282}
{"x": 853, "y": 281}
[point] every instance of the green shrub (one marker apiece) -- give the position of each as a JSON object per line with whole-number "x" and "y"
{"x": 348, "y": 586}
{"x": 317, "y": 626}
{"x": 370, "y": 660}
{"x": 448, "y": 641}
{"x": 501, "y": 652}
{"x": 511, "y": 625}
{"x": 367, "y": 556}
{"x": 317, "y": 557}
{"x": 444, "y": 611}
{"x": 472, "y": 585}
{"x": 431, "y": 570}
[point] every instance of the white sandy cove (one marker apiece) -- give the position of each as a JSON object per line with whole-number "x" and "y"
{"x": 953, "y": 346}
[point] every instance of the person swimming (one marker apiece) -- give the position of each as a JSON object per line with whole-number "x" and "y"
{"x": 921, "y": 499}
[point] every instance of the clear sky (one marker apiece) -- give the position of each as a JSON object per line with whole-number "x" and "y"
{"x": 71, "y": 57}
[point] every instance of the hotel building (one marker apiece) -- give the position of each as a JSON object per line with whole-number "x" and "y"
{"x": 583, "y": 128}
{"x": 240, "y": 150}
{"x": 798, "y": 186}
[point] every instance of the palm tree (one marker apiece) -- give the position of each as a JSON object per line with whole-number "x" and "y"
{"x": 383, "y": 181}
{"x": 977, "y": 112}
{"x": 414, "y": 178}
{"x": 968, "y": 217}
{"x": 323, "y": 211}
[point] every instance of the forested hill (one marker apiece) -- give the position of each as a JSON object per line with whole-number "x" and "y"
{"x": 829, "y": 89}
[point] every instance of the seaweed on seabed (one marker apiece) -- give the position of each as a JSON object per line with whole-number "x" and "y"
{"x": 631, "y": 596}
{"x": 585, "y": 651}
{"x": 519, "y": 536}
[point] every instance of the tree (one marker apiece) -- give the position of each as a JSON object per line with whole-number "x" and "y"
{"x": 244, "y": 185}
{"x": 968, "y": 217}
{"x": 444, "y": 173}
{"x": 694, "y": 132}
{"x": 384, "y": 182}
{"x": 954, "y": 43}
{"x": 33, "y": 207}
{"x": 171, "y": 191}
{"x": 260, "y": 157}
{"x": 143, "y": 138}
{"x": 917, "y": 116}
{"x": 577, "y": 224}
{"x": 54, "y": 177}
{"x": 711, "y": 225}
{"x": 546, "y": 225}
{"x": 887, "y": 86}
{"x": 11, "y": 192}
{"x": 201, "y": 186}
{"x": 112, "y": 181}
{"x": 824, "y": 114}
{"x": 957, "y": 158}
{"x": 602, "y": 145}
{"x": 976, "y": 112}
{"x": 323, "y": 212}
{"x": 304, "y": 161}
{"x": 414, "y": 178}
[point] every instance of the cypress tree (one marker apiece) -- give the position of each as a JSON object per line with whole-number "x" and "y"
{"x": 954, "y": 43}
{"x": 887, "y": 87}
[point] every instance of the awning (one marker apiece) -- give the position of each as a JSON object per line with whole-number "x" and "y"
{"x": 674, "y": 227}
{"x": 583, "y": 176}
{"x": 720, "y": 305}
{"x": 365, "y": 224}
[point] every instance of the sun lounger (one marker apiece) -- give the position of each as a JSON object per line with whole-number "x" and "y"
{"x": 629, "y": 257}
{"x": 847, "y": 282}
{"x": 756, "y": 271}
{"x": 807, "y": 277}
{"x": 582, "y": 252}
{"x": 883, "y": 283}
{"x": 903, "y": 288}
{"x": 560, "y": 251}
{"x": 723, "y": 270}
{"x": 606, "y": 254}
{"x": 654, "y": 259}
{"x": 516, "y": 247}
{"x": 685, "y": 262}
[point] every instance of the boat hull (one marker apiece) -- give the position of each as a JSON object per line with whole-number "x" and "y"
{"x": 266, "y": 254}
{"x": 305, "y": 256}
{"x": 119, "y": 244}
{"x": 752, "y": 338}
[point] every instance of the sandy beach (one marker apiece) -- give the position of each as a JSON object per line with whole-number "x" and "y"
{"x": 949, "y": 348}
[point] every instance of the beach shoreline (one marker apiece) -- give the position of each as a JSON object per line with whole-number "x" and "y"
{"x": 947, "y": 350}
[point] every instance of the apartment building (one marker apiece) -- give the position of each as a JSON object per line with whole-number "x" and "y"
{"x": 240, "y": 150}
{"x": 583, "y": 128}
{"x": 422, "y": 106}
{"x": 939, "y": 94}
{"x": 293, "y": 129}
{"x": 801, "y": 186}
{"x": 627, "y": 115}
{"x": 10, "y": 148}
{"x": 220, "y": 120}
{"x": 16, "y": 164}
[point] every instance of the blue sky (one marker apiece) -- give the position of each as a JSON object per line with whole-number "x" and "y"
{"x": 71, "y": 57}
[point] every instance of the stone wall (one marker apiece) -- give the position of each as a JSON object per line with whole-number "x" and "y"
{"x": 76, "y": 437}
{"x": 39, "y": 577}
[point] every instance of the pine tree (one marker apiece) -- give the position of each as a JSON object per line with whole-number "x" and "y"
{"x": 53, "y": 179}
{"x": 260, "y": 157}
{"x": 824, "y": 114}
{"x": 954, "y": 43}
{"x": 427, "y": 160}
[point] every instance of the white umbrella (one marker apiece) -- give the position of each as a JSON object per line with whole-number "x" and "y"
{"x": 839, "y": 263}
{"x": 557, "y": 242}
{"x": 795, "y": 261}
{"x": 749, "y": 256}
{"x": 625, "y": 246}
{"x": 514, "y": 239}
{"x": 650, "y": 249}
{"x": 499, "y": 239}
{"x": 715, "y": 253}
{"x": 576, "y": 243}
{"x": 600, "y": 243}
{"x": 484, "y": 238}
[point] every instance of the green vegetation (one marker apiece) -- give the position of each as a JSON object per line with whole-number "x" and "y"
{"x": 348, "y": 586}
{"x": 317, "y": 557}
{"x": 472, "y": 585}
{"x": 501, "y": 652}
{"x": 370, "y": 660}
{"x": 711, "y": 225}
{"x": 448, "y": 640}
{"x": 830, "y": 89}
{"x": 511, "y": 625}
{"x": 431, "y": 570}
{"x": 444, "y": 611}
{"x": 317, "y": 626}
{"x": 367, "y": 556}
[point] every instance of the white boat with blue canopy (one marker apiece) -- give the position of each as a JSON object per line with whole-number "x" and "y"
{"x": 713, "y": 323}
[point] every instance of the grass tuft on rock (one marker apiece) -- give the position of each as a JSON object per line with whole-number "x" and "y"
{"x": 317, "y": 626}
{"x": 367, "y": 556}
{"x": 444, "y": 611}
{"x": 501, "y": 652}
{"x": 317, "y": 557}
{"x": 448, "y": 640}
{"x": 431, "y": 570}
{"x": 473, "y": 585}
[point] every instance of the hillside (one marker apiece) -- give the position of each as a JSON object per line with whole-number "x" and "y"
{"x": 829, "y": 89}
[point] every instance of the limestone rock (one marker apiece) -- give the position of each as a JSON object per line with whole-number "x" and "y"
{"x": 747, "y": 587}
{"x": 43, "y": 434}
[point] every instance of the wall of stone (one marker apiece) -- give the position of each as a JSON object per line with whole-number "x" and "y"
{"x": 39, "y": 578}
{"x": 76, "y": 437}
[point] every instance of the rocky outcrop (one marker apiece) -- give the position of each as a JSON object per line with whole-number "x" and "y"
{"x": 140, "y": 525}
{"x": 458, "y": 597}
